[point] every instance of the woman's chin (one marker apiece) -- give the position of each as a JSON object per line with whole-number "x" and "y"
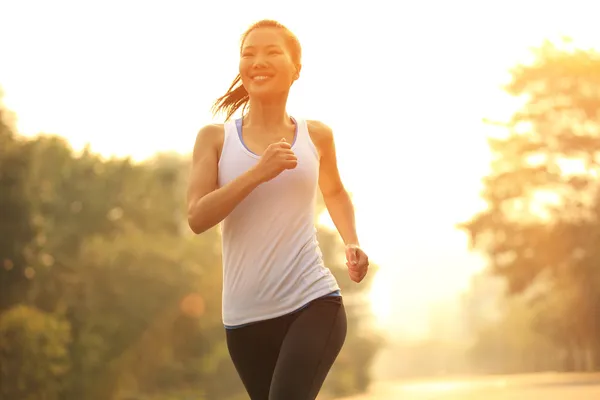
{"x": 265, "y": 92}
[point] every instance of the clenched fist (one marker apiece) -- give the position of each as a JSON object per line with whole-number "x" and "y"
{"x": 276, "y": 158}
{"x": 357, "y": 262}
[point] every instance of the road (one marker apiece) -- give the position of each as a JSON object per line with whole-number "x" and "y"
{"x": 518, "y": 387}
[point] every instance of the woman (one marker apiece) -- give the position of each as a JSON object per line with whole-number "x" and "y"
{"x": 258, "y": 176}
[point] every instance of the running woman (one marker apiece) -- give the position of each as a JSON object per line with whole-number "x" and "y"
{"x": 258, "y": 177}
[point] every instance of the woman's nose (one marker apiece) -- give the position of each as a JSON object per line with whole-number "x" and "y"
{"x": 259, "y": 62}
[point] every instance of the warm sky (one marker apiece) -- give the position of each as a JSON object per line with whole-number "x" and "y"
{"x": 404, "y": 85}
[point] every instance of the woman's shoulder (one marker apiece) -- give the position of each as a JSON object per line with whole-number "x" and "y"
{"x": 210, "y": 136}
{"x": 211, "y": 131}
{"x": 319, "y": 132}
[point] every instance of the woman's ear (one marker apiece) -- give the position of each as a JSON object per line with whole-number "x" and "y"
{"x": 297, "y": 74}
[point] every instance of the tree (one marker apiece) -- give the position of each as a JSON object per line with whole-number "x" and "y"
{"x": 33, "y": 354}
{"x": 112, "y": 261}
{"x": 542, "y": 226}
{"x": 17, "y": 232}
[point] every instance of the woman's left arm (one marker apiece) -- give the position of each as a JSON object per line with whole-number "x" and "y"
{"x": 337, "y": 200}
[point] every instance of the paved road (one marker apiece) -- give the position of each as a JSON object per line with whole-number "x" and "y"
{"x": 523, "y": 387}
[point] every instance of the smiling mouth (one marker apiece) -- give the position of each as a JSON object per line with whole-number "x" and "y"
{"x": 261, "y": 78}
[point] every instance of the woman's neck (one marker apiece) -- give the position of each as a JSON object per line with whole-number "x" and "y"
{"x": 267, "y": 114}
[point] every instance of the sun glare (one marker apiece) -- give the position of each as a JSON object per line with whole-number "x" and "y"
{"x": 381, "y": 299}
{"x": 415, "y": 123}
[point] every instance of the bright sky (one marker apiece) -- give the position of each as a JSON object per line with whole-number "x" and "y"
{"x": 404, "y": 84}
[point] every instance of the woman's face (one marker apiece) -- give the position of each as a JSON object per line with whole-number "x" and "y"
{"x": 266, "y": 65}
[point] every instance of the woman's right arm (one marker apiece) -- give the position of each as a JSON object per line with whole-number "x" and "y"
{"x": 208, "y": 205}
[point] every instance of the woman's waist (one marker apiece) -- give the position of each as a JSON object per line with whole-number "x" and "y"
{"x": 259, "y": 250}
{"x": 272, "y": 228}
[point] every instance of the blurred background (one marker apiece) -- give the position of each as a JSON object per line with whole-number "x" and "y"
{"x": 468, "y": 133}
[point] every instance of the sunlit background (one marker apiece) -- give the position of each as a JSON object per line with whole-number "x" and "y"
{"x": 405, "y": 85}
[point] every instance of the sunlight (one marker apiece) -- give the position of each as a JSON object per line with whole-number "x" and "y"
{"x": 416, "y": 123}
{"x": 381, "y": 299}
{"x": 115, "y": 296}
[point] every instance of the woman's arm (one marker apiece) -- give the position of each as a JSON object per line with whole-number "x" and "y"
{"x": 337, "y": 199}
{"x": 207, "y": 204}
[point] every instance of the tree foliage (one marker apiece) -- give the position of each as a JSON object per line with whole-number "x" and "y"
{"x": 541, "y": 229}
{"x": 34, "y": 354}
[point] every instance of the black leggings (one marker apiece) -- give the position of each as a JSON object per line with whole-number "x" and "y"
{"x": 289, "y": 357}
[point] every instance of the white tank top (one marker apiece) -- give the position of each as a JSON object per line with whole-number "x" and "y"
{"x": 272, "y": 264}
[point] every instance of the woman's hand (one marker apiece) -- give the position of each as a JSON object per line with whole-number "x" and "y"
{"x": 277, "y": 158}
{"x": 357, "y": 262}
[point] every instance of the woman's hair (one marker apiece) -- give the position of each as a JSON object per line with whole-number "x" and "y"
{"x": 237, "y": 96}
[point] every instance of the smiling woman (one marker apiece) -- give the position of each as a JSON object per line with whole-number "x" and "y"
{"x": 258, "y": 176}
{"x": 273, "y": 77}
{"x": 263, "y": 46}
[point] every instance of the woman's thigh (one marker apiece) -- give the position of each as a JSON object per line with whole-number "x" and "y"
{"x": 254, "y": 350}
{"x": 310, "y": 347}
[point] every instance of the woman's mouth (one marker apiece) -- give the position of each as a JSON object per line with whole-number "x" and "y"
{"x": 260, "y": 78}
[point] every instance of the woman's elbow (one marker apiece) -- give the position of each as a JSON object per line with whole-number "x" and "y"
{"x": 194, "y": 227}
{"x": 195, "y": 222}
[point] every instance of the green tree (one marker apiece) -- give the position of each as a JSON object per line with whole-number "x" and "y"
{"x": 16, "y": 228}
{"x": 33, "y": 354}
{"x": 114, "y": 260}
{"x": 542, "y": 226}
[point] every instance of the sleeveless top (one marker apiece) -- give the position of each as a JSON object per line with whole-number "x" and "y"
{"x": 272, "y": 263}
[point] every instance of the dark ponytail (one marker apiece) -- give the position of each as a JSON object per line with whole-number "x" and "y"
{"x": 232, "y": 100}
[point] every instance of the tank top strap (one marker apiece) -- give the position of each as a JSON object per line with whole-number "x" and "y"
{"x": 303, "y": 138}
{"x": 230, "y": 129}
{"x": 229, "y": 142}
